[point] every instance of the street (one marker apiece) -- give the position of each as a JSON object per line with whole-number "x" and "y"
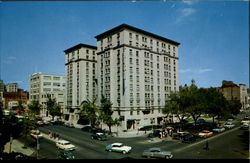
{"x": 230, "y": 144}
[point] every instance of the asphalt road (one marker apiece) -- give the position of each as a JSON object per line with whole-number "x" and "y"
{"x": 230, "y": 144}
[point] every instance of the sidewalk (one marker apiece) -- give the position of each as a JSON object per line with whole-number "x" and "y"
{"x": 17, "y": 146}
{"x": 130, "y": 134}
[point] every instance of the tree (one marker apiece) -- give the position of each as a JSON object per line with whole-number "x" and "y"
{"x": 234, "y": 106}
{"x": 195, "y": 101}
{"x": 215, "y": 103}
{"x": 89, "y": 111}
{"x": 34, "y": 107}
{"x": 172, "y": 105}
{"x": 53, "y": 108}
{"x": 106, "y": 113}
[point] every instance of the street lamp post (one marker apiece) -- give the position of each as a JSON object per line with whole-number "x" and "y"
{"x": 37, "y": 147}
{"x": 11, "y": 139}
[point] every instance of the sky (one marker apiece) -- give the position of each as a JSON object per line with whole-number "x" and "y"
{"x": 214, "y": 35}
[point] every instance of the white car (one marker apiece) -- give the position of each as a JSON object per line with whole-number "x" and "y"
{"x": 36, "y": 134}
{"x": 229, "y": 125}
{"x": 219, "y": 129}
{"x": 65, "y": 145}
{"x": 245, "y": 120}
{"x": 245, "y": 126}
{"x": 118, "y": 147}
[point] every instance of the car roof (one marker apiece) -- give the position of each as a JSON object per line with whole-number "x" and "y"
{"x": 99, "y": 133}
{"x": 63, "y": 141}
{"x": 117, "y": 144}
{"x": 155, "y": 149}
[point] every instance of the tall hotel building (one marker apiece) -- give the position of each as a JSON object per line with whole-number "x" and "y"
{"x": 44, "y": 85}
{"x": 136, "y": 70}
{"x": 80, "y": 68}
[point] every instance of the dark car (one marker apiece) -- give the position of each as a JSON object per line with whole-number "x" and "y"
{"x": 66, "y": 155}
{"x": 87, "y": 129}
{"x": 155, "y": 133}
{"x": 99, "y": 136}
{"x": 179, "y": 135}
{"x": 97, "y": 130}
{"x": 189, "y": 138}
{"x": 57, "y": 122}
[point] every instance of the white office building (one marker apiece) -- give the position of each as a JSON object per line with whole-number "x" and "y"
{"x": 80, "y": 68}
{"x": 44, "y": 85}
{"x": 136, "y": 70}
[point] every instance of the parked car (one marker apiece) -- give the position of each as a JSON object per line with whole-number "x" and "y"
{"x": 200, "y": 121}
{"x": 99, "y": 136}
{"x": 244, "y": 126}
{"x": 205, "y": 134}
{"x": 92, "y": 129}
{"x": 229, "y": 125}
{"x": 179, "y": 135}
{"x": 57, "y": 122}
{"x": 97, "y": 130}
{"x": 87, "y": 128}
{"x": 150, "y": 127}
{"x": 65, "y": 145}
{"x": 36, "y": 134}
{"x": 40, "y": 123}
{"x": 219, "y": 129}
{"x": 66, "y": 155}
{"x": 118, "y": 147}
{"x": 189, "y": 138}
{"x": 69, "y": 124}
{"x": 155, "y": 133}
{"x": 156, "y": 153}
{"x": 245, "y": 120}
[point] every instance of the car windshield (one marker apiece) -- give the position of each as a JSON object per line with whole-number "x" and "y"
{"x": 66, "y": 143}
{"x": 118, "y": 145}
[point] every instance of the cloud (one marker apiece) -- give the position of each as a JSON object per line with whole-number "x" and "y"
{"x": 9, "y": 60}
{"x": 196, "y": 71}
{"x": 184, "y": 13}
{"x": 188, "y": 2}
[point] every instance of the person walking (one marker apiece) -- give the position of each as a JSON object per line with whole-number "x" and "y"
{"x": 207, "y": 147}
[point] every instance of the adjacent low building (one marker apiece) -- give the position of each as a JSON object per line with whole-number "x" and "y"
{"x": 44, "y": 85}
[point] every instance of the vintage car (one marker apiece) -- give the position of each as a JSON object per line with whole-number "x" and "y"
{"x": 118, "y": 147}
{"x": 156, "y": 153}
{"x": 189, "y": 138}
{"x": 205, "y": 134}
{"x": 219, "y": 129}
{"x": 66, "y": 155}
{"x": 229, "y": 125}
{"x": 36, "y": 134}
{"x": 99, "y": 136}
{"x": 65, "y": 145}
{"x": 244, "y": 126}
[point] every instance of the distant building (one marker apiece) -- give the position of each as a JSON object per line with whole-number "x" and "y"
{"x": 11, "y": 99}
{"x": 44, "y": 85}
{"x": 232, "y": 91}
{"x": 12, "y": 87}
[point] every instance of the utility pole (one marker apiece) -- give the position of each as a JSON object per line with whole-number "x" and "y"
{"x": 37, "y": 147}
{"x": 11, "y": 139}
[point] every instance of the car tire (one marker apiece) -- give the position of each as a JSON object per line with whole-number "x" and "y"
{"x": 166, "y": 157}
{"x": 92, "y": 137}
{"x": 110, "y": 150}
{"x": 124, "y": 152}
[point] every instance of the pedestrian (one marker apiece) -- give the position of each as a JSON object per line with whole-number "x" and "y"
{"x": 207, "y": 147}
